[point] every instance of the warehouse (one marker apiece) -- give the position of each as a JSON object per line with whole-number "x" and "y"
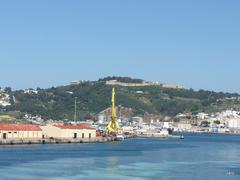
{"x": 20, "y": 131}
{"x": 69, "y": 132}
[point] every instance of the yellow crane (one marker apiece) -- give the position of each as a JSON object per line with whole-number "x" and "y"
{"x": 113, "y": 125}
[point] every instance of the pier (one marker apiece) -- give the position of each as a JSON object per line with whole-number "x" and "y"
{"x": 55, "y": 141}
{"x": 161, "y": 137}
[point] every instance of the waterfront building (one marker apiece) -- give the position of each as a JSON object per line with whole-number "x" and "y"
{"x": 68, "y": 131}
{"x": 233, "y": 123}
{"x": 184, "y": 127}
{"x": 127, "y": 129}
{"x": 20, "y": 131}
{"x": 166, "y": 125}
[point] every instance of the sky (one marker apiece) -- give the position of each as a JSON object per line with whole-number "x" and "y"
{"x": 49, "y": 43}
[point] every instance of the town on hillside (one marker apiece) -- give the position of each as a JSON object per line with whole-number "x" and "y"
{"x": 24, "y": 125}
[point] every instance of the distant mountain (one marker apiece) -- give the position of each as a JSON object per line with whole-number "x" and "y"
{"x": 93, "y": 97}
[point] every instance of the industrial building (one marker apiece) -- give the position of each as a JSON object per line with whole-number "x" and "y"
{"x": 68, "y": 132}
{"x": 20, "y": 131}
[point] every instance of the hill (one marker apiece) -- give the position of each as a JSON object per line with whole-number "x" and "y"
{"x": 93, "y": 97}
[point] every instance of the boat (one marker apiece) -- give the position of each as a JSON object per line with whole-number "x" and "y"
{"x": 120, "y": 137}
{"x": 230, "y": 172}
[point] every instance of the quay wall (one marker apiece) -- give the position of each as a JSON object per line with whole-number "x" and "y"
{"x": 55, "y": 141}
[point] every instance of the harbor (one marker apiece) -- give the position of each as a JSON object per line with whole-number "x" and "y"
{"x": 55, "y": 133}
{"x": 120, "y": 90}
{"x": 134, "y": 158}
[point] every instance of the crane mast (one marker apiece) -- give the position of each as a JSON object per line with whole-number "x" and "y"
{"x": 113, "y": 125}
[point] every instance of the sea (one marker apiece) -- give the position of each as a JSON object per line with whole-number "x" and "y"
{"x": 197, "y": 157}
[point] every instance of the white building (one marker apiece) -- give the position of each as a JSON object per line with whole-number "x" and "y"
{"x": 4, "y": 99}
{"x": 137, "y": 119}
{"x": 139, "y": 92}
{"x": 233, "y": 123}
{"x": 202, "y": 116}
{"x": 77, "y": 82}
{"x": 184, "y": 127}
{"x": 127, "y": 129}
{"x": 172, "y": 86}
{"x": 30, "y": 91}
{"x": 166, "y": 125}
{"x": 102, "y": 119}
{"x": 144, "y": 83}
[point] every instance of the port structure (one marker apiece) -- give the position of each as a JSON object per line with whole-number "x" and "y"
{"x": 113, "y": 125}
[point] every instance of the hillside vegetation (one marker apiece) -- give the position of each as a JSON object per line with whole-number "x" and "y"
{"x": 93, "y": 97}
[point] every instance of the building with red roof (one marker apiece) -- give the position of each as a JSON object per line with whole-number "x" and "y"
{"x": 69, "y": 131}
{"x": 20, "y": 131}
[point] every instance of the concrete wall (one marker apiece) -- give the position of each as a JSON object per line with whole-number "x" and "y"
{"x": 21, "y": 134}
{"x": 55, "y": 132}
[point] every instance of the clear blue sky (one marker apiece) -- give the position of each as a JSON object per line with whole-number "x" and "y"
{"x": 51, "y": 42}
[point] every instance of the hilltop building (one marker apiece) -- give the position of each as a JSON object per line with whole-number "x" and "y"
{"x": 164, "y": 85}
{"x": 77, "y": 82}
{"x": 30, "y": 91}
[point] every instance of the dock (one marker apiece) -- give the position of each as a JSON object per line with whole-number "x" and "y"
{"x": 55, "y": 141}
{"x": 160, "y": 136}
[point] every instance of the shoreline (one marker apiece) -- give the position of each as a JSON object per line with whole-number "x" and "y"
{"x": 101, "y": 139}
{"x": 160, "y": 136}
{"x": 176, "y": 135}
{"x": 202, "y": 132}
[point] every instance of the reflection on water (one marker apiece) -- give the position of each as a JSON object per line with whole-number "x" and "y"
{"x": 111, "y": 166}
{"x": 196, "y": 157}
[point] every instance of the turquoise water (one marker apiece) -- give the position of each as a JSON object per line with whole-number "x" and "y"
{"x": 199, "y": 157}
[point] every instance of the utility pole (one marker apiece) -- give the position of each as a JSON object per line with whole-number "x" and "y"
{"x": 120, "y": 112}
{"x": 75, "y": 111}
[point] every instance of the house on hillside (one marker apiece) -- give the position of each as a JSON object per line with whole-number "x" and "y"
{"x": 20, "y": 131}
{"x": 69, "y": 132}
